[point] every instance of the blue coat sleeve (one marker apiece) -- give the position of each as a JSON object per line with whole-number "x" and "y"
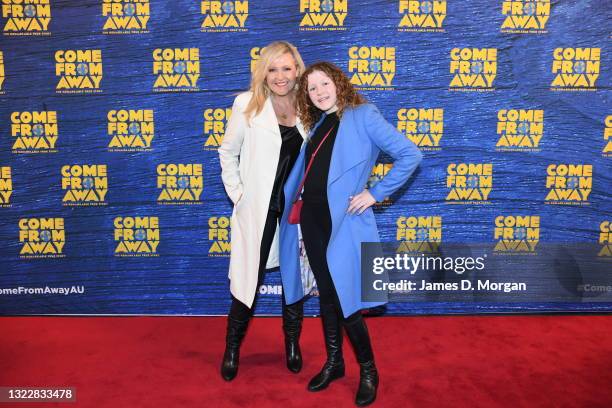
{"x": 406, "y": 155}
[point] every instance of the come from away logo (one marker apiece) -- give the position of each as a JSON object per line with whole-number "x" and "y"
{"x": 473, "y": 69}
{"x": 42, "y": 237}
{"x": 79, "y": 71}
{"x": 126, "y": 16}
{"x": 180, "y": 183}
{"x": 569, "y": 184}
{"x": 219, "y": 236}
{"x": 605, "y": 239}
{"x": 323, "y": 15}
{"x": 372, "y": 68}
{"x": 215, "y": 121}
{"x": 224, "y": 16}
{"x": 26, "y": 17}
{"x": 519, "y": 130}
{"x": 575, "y": 69}
{"x": 422, "y": 15}
{"x": 419, "y": 234}
{"x": 525, "y": 16}
{"x": 255, "y": 53}
{"x": 85, "y": 184}
{"x": 35, "y": 132}
{"x": 136, "y": 236}
{"x": 130, "y": 130}
{"x": 2, "y": 92}
{"x": 176, "y": 69}
{"x": 422, "y": 126}
{"x": 607, "y": 150}
{"x": 469, "y": 183}
{"x": 516, "y": 234}
{"x": 6, "y": 186}
{"x": 379, "y": 171}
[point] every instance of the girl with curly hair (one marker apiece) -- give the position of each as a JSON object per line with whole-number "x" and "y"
{"x": 346, "y": 137}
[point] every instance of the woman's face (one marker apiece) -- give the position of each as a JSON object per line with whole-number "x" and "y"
{"x": 322, "y": 91}
{"x": 282, "y": 74}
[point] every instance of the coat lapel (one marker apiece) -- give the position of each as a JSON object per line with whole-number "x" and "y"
{"x": 267, "y": 120}
{"x": 300, "y": 128}
{"x": 345, "y": 154}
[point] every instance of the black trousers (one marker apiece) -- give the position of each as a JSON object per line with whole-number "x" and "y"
{"x": 238, "y": 310}
{"x": 316, "y": 225}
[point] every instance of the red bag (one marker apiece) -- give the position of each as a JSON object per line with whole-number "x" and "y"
{"x": 296, "y": 206}
{"x": 295, "y": 212}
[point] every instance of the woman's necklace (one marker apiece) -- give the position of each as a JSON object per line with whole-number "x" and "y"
{"x": 282, "y": 112}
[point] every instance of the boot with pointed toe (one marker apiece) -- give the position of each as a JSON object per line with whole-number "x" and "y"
{"x": 357, "y": 332}
{"x": 236, "y": 330}
{"x": 334, "y": 365}
{"x": 293, "y": 315}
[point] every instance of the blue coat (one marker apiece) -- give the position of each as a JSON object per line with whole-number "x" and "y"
{"x": 362, "y": 134}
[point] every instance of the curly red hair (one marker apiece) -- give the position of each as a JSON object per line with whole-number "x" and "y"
{"x": 346, "y": 93}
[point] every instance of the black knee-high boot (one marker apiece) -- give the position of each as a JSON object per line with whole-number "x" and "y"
{"x": 334, "y": 365}
{"x": 293, "y": 315}
{"x": 236, "y": 330}
{"x": 357, "y": 332}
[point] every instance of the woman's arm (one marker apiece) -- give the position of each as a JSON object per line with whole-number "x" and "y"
{"x": 406, "y": 156}
{"x": 229, "y": 152}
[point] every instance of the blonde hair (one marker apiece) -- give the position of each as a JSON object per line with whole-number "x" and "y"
{"x": 260, "y": 89}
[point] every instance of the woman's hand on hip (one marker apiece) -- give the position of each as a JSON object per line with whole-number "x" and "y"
{"x": 361, "y": 202}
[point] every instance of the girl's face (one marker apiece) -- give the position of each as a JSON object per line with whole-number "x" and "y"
{"x": 282, "y": 75}
{"x": 322, "y": 91}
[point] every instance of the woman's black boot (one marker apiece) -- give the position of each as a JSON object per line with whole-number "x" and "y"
{"x": 357, "y": 332}
{"x": 334, "y": 366}
{"x": 293, "y": 315}
{"x": 236, "y": 330}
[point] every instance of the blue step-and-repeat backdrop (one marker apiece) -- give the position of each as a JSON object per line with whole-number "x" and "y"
{"x": 112, "y": 111}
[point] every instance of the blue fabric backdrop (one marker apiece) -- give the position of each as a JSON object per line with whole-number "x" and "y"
{"x": 176, "y": 262}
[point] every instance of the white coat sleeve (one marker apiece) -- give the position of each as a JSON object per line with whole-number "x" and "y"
{"x": 229, "y": 152}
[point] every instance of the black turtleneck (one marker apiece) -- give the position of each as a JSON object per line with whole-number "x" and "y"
{"x": 315, "y": 187}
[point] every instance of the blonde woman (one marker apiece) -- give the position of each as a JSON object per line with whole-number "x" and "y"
{"x": 260, "y": 146}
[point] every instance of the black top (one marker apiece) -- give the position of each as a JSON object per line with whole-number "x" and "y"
{"x": 290, "y": 149}
{"x": 315, "y": 187}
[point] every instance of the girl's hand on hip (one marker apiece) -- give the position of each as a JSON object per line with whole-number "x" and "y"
{"x": 361, "y": 202}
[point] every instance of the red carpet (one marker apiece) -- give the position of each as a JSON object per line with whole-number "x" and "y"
{"x": 458, "y": 361}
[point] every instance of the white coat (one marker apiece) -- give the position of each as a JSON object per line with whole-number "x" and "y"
{"x": 249, "y": 157}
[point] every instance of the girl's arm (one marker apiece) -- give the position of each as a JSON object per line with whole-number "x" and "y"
{"x": 406, "y": 155}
